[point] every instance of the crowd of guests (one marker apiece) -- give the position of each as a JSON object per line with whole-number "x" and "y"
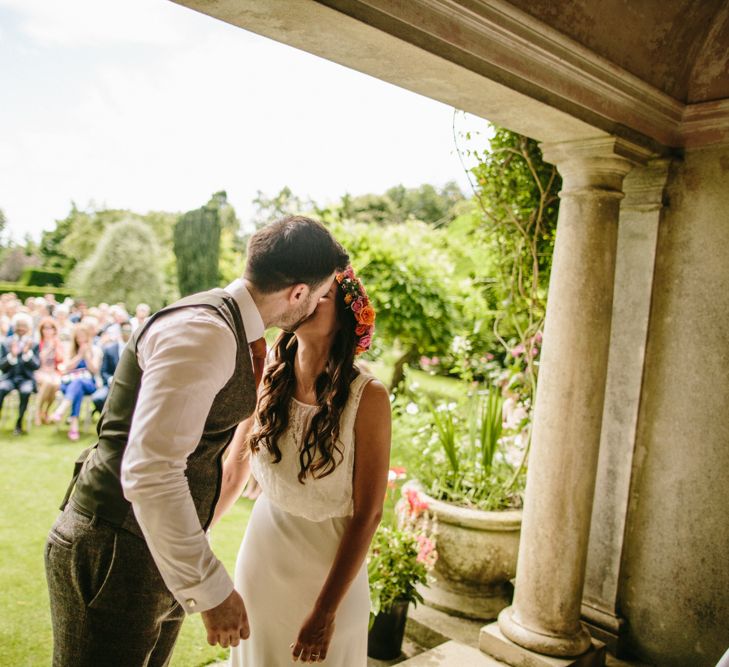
{"x": 61, "y": 352}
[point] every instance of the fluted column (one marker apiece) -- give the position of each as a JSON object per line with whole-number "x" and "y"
{"x": 545, "y": 614}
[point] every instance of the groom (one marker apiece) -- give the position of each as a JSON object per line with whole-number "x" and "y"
{"x": 128, "y": 556}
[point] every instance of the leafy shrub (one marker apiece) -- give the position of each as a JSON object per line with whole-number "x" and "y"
{"x": 41, "y": 278}
{"x": 464, "y": 460}
{"x": 125, "y": 267}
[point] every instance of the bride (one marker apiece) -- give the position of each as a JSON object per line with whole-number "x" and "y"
{"x": 319, "y": 445}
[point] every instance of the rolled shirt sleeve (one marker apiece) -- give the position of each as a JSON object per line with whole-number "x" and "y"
{"x": 187, "y": 358}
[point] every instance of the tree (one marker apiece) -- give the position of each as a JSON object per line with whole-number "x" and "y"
{"x": 125, "y": 267}
{"x": 406, "y": 274}
{"x": 197, "y": 247}
{"x": 398, "y": 205}
{"x": 269, "y": 209}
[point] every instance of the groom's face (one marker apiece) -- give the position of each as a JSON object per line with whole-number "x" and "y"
{"x": 299, "y": 314}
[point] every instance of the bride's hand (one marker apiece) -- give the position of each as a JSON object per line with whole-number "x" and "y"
{"x": 314, "y": 637}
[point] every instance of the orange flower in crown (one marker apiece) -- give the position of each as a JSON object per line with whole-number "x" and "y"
{"x": 364, "y": 314}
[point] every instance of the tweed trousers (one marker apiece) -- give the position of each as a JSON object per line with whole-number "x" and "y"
{"x": 109, "y": 604}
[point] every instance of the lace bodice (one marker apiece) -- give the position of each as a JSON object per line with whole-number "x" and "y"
{"x": 316, "y": 499}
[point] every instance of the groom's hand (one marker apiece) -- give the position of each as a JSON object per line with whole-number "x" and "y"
{"x": 227, "y": 623}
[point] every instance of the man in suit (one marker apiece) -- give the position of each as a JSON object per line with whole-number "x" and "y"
{"x": 112, "y": 352}
{"x": 19, "y": 360}
{"x": 129, "y": 555}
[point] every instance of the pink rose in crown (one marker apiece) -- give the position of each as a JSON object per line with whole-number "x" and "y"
{"x": 365, "y": 341}
{"x": 358, "y": 305}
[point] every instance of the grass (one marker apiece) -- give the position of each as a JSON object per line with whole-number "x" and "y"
{"x": 36, "y": 470}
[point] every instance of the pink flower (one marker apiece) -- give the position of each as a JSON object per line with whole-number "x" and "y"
{"x": 417, "y": 505}
{"x": 517, "y": 351}
{"x": 538, "y": 337}
{"x": 426, "y": 551}
{"x": 489, "y": 356}
{"x": 358, "y": 304}
{"x": 365, "y": 341}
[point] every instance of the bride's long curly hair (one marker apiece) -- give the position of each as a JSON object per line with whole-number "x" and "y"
{"x": 320, "y": 453}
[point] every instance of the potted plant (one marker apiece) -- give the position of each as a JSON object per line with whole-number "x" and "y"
{"x": 469, "y": 483}
{"x": 400, "y": 559}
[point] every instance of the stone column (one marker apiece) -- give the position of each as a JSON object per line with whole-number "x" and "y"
{"x": 640, "y": 214}
{"x": 545, "y": 615}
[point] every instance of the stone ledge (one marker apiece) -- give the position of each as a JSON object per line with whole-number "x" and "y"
{"x": 429, "y": 628}
{"x": 453, "y": 654}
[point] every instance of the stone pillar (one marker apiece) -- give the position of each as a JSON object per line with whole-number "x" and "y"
{"x": 640, "y": 214}
{"x": 545, "y": 615}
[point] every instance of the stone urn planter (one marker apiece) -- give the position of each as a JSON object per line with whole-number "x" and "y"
{"x": 477, "y": 553}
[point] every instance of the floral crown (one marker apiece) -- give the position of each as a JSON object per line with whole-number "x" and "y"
{"x": 364, "y": 314}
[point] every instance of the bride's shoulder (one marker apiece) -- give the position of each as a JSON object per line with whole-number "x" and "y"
{"x": 374, "y": 397}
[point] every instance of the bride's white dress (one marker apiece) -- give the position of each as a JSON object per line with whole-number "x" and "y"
{"x": 289, "y": 546}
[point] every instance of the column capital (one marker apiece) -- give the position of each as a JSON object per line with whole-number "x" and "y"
{"x": 644, "y": 187}
{"x": 594, "y": 166}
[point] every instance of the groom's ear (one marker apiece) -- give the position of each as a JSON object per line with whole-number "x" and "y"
{"x": 298, "y": 293}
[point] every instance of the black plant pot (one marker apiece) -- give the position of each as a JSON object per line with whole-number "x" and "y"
{"x": 384, "y": 641}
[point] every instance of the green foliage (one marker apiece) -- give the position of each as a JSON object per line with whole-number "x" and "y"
{"x": 41, "y": 278}
{"x": 403, "y": 270}
{"x": 517, "y": 194}
{"x": 398, "y": 205}
{"x": 75, "y": 237}
{"x": 125, "y": 267}
{"x": 462, "y": 454}
{"x": 393, "y": 569}
{"x": 285, "y": 202}
{"x": 24, "y": 291}
{"x": 402, "y": 552}
{"x": 197, "y": 248}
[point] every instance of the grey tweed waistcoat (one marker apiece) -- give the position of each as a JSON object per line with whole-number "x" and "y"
{"x": 96, "y": 487}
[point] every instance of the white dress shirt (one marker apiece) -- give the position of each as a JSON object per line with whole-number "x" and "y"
{"x": 187, "y": 357}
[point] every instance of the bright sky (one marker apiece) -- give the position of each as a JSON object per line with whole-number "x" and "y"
{"x": 144, "y": 104}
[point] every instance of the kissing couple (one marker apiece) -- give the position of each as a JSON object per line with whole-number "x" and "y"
{"x": 195, "y": 405}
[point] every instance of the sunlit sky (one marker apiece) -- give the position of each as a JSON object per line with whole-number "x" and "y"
{"x": 147, "y": 105}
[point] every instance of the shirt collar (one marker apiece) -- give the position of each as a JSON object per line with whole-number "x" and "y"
{"x": 252, "y": 320}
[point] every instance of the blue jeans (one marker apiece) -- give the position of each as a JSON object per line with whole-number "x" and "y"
{"x": 75, "y": 391}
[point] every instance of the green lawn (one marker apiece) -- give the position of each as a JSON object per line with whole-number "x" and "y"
{"x": 36, "y": 469}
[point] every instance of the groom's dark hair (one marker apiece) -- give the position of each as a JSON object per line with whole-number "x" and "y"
{"x": 292, "y": 250}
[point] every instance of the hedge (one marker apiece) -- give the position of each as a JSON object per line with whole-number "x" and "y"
{"x": 24, "y": 291}
{"x": 33, "y": 277}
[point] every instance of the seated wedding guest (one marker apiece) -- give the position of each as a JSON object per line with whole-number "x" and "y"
{"x": 78, "y": 310}
{"x": 77, "y": 380}
{"x": 141, "y": 313}
{"x": 65, "y": 326}
{"x": 112, "y": 331}
{"x": 11, "y": 309}
{"x": 18, "y": 362}
{"x": 37, "y": 310}
{"x": 51, "y": 303}
{"x": 112, "y": 352}
{"x": 48, "y": 376}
